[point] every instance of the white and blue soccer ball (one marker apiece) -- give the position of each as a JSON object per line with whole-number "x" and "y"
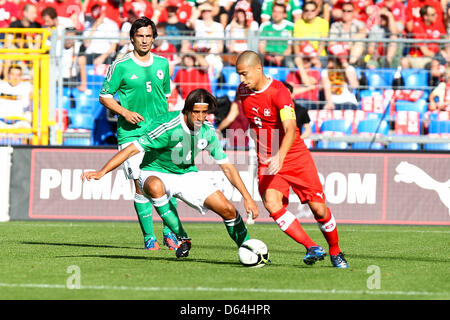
{"x": 253, "y": 253}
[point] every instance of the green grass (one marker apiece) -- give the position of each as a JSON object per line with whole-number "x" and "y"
{"x": 35, "y": 256}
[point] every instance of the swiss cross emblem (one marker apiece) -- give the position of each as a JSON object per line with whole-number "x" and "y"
{"x": 267, "y": 112}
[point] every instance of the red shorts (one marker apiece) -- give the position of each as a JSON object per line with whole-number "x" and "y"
{"x": 300, "y": 174}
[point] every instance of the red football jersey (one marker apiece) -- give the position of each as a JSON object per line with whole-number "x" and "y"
{"x": 263, "y": 108}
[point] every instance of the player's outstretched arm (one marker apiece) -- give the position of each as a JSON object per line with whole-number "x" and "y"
{"x": 235, "y": 179}
{"x": 112, "y": 164}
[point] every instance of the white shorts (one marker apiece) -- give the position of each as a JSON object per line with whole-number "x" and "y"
{"x": 193, "y": 187}
{"x": 131, "y": 166}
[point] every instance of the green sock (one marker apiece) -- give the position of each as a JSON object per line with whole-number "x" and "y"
{"x": 143, "y": 209}
{"x": 166, "y": 228}
{"x": 237, "y": 230}
{"x": 168, "y": 212}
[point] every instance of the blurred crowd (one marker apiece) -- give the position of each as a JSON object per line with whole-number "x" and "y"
{"x": 328, "y": 67}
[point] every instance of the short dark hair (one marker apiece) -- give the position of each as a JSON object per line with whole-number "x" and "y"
{"x": 424, "y": 10}
{"x": 143, "y": 22}
{"x": 14, "y": 66}
{"x": 49, "y": 11}
{"x": 309, "y": 2}
{"x": 279, "y": 4}
{"x": 199, "y": 96}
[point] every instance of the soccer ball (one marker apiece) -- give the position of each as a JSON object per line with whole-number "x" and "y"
{"x": 253, "y": 253}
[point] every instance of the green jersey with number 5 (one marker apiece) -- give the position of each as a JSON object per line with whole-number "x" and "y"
{"x": 141, "y": 87}
{"x": 171, "y": 147}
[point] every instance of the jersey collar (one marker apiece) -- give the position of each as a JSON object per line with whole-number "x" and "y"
{"x": 141, "y": 63}
{"x": 267, "y": 86}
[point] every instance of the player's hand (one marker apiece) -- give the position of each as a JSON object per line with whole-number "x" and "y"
{"x": 274, "y": 165}
{"x": 96, "y": 175}
{"x": 251, "y": 208}
{"x": 133, "y": 117}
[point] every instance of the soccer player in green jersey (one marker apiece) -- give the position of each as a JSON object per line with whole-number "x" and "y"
{"x": 171, "y": 143}
{"x": 142, "y": 82}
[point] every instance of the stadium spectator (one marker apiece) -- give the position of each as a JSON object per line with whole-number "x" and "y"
{"x": 205, "y": 27}
{"x": 290, "y": 165}
{"x": 183, "y": 10}
{"x": 276, "y": 52}
{"x": 50, "y": 19}
{"x": 162, "y": 177}
{"x": 349, "y": 28}
{"x": 126, "y": 45}
{"x": 109, "y": 8}
{"x": 339, "y": 80}
{"x": 323, "y": 9}
{"x": 439, "y": 64}
{"x": 193, "y": 73}
{"x": 29, "y": 40}
{"x": 337, "y": 11}
{"x": 72, "y": 64}
{"x": 9, "y": 13}
{"x": 234, "y": 127}
{"x": 382, "y": 27}
{"x": 311, "y": 26}
{"x": 252, "y": 10}
{"x": 293, "y": 10}
{"x": 28, "y": 20}
{"x": 15, "y": 99}
{"x": 237, "y": 28}
{"x": 398, "y": 10}
{"x": 165, "y": 49}
{"x": 301, "y": 115}
{"x": 70, "y": 12}
{"x": 440, "y": 96}
{"x": 413, "y": 14}
{"x": 215, "y": 11}
{"x": 447, "y": 18}
{"x": 100, "y": 51}
{"x": 225, "y": 11}
{"x": 421, "y": 54}
{"x": 305, "y": 80}
{"x": 139, "y": 8}
{"x": 174, "y": 27}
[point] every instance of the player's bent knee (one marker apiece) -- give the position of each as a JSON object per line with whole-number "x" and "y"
{"x": 220, "y": 205}
{"x": 318, "y": 209}
{"x": 273, "y": 205}
{"x": 229, "y": 211}
{"x": 154, "y": 187}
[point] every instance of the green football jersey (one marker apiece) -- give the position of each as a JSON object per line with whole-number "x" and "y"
{"x": 292, "y": 7}
{"x": 171, "y": 147}
{"x": 282, "y": 31}
{"x": 141, "y": 87}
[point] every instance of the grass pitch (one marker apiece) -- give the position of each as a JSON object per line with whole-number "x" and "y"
{"x": 48, "y": 260}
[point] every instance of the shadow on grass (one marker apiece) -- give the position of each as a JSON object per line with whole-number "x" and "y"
{"x": 83, "y": 245}
{"x": 170, "y": 259}
{"x": 153, "y": 258}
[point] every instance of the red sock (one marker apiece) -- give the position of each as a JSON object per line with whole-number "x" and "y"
{"x": 290, "y": 225}
{"x": 328, "y": 227}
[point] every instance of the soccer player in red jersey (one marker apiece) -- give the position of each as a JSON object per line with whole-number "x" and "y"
{"x": 283, "y": 159}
